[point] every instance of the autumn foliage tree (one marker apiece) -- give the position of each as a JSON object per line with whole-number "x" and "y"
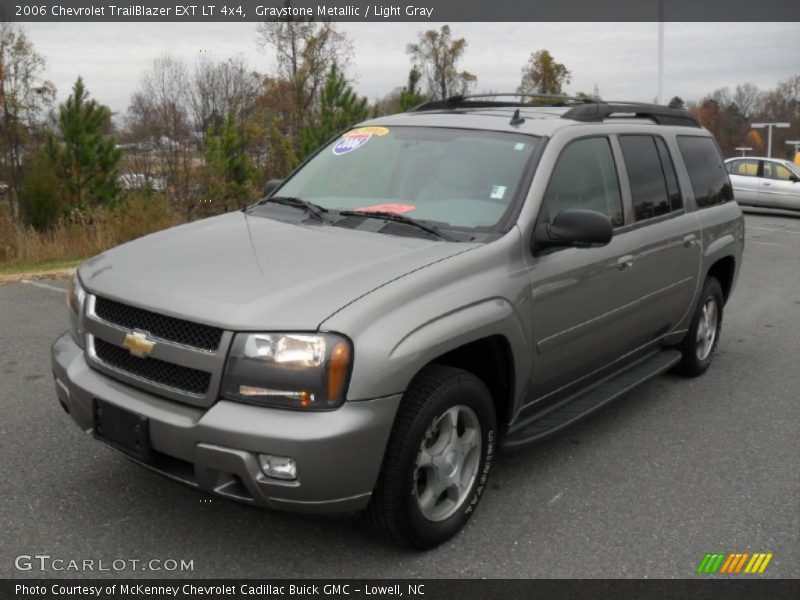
{"x": 436, "y": 54}
{"x": 543, "y": 75}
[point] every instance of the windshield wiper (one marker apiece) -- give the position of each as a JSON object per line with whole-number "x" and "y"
{"x": 390, "y": 216}
{"x": 315, "y": 210}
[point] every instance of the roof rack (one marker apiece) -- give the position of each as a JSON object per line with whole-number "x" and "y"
{"x": 474, "y": 101}
{"x": 581, "y": 108}
{"x": 662, "y": 115}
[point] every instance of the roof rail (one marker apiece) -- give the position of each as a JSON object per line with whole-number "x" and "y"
{"x": 474, "y": 101}
{"x": 660, "y": 114}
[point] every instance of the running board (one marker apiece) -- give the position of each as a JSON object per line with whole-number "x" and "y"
{"x": 574, "y": 408}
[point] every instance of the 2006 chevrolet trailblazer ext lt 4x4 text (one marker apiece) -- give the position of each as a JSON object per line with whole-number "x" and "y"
{"x": 429, "y": 287}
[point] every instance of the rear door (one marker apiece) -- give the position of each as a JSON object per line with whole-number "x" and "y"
{"x": 778, "y": 187}
{"x": 745, "y": 179}
{"x": 666, "y": 262}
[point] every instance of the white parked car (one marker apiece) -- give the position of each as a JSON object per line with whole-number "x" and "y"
{"x": 768, "y": 182}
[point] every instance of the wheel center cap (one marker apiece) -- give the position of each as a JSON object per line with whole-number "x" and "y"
{"x": 450, "y": 461}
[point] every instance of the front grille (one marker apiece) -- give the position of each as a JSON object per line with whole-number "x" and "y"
{"x": 152, "y": 369}
{"x": 171, "y": 329}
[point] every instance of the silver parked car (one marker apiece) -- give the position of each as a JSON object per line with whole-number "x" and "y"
{"x": 428, "y": 288}
{"x": 767, "y": 182}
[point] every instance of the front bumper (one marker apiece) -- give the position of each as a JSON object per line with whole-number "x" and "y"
{"x": 338, "y": 453}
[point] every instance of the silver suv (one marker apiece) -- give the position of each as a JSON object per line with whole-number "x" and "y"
{"x": 428, "y": 288}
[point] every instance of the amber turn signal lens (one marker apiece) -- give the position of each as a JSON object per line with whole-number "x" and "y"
{"x": 337, "y": 370}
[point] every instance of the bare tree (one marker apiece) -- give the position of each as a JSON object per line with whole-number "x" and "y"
{"x": 436, "y": 54}
{"x": 747, "y": 97}
{"x": 160, "y": 112}
{"x": 220, "y": 88}
{"x": 24, "y": 97}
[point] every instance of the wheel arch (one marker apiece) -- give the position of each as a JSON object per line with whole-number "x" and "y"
{"x": 724, "y": 271}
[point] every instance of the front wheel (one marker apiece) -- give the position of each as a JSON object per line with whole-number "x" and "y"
{"x": 704, "y": 331}
{"x": 437, "y": 461}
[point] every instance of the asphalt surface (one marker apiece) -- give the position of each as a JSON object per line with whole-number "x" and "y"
{"x": 643, "y": 488}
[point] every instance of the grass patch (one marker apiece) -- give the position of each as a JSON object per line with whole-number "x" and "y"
{"x": 53, "y": 265}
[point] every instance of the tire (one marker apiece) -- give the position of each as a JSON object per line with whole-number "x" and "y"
{"x": 427, "y": 451}
{"x": 697, "y": 353}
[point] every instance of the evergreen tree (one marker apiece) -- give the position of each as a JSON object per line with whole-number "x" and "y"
{"x": 339, "y": 108}
{"x": 677, "y": 102}
{"x": 229, "y": 173}
{"x": 412, "y": 95}
{"x": 83, "y": 152}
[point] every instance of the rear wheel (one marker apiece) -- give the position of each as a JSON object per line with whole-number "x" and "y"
{"x": 700, "y": 343}
{"x": 437, "y": 461}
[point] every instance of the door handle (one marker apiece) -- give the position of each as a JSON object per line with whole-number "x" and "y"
{"x": 689, "y": 240}
{"x": 766, "y": 183}
{"x": 625, "y": 262}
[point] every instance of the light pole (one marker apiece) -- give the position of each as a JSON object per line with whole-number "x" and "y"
{"x": 769, "y": 127}
{"x": 744, "y": 149}
{"x": 796, "y": 144}
{"x": 660, "y": 94}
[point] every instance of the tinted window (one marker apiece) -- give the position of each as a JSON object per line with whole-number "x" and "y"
{"x": 743, "y": 168}
{"x": 773, "y": 170}
{"x": 706, "y": 170}
{"x": 646, "y": 176}
{"x": 585, "y": 177}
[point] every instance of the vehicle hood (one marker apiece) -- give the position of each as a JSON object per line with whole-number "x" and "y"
{"x": 243, "y": 272}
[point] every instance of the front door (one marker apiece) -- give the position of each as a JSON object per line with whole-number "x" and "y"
{"x": 583, "y": 298}
{"x": 779, "y": 188}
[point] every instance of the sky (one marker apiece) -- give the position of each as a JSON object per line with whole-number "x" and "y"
{"x": 620, "y": 58}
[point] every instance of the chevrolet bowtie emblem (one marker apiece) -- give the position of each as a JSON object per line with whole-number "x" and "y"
{"x": 138, "y": 344}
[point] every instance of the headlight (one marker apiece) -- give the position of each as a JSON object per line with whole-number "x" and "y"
{"x": 288, "y": 370}
{"x": 75, "y": 300}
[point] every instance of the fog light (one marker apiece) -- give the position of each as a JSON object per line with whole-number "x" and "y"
{"x": 279, "y": 467}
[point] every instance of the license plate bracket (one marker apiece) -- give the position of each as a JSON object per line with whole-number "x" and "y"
{"x": 122, "y": 429}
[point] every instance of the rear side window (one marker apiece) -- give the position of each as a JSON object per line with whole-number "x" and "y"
{"x": 585, "y": 177}
{"x": 706, "y": 170}
{"x": 743, "y": 168}
{"x": 646, "y": 176}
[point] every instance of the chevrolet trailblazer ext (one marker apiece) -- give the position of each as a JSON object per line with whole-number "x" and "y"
{"x": 429, "y": 287}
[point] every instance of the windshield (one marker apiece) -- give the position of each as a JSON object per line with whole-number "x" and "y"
{"x": 453, "y": 178}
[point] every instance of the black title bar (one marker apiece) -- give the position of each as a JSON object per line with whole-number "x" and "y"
{"x": 408, "y": 10}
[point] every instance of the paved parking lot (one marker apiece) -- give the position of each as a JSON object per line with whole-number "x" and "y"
{"x": 644, "y": 488}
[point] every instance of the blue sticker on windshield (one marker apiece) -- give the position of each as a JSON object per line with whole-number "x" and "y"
{"x": 353, "y": 140}
{"x": 350, "y": 143}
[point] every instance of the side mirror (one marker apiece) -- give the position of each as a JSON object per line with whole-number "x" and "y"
{"x": 574, "y": 227}
{"x": 271, "y": 186}
{"x": 794, "y": 178}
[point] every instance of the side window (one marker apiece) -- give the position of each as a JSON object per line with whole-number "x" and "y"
{"x": 585, "y": 176}
{"x": 706, "y": 170}
{"x": 673, "y": 189}
{"x": 646, "y": 176}
{"x": 743, "y": 168}
{"x": 773, "y": 170}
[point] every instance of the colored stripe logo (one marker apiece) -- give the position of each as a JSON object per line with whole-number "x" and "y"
{"x": 734, "y": 563}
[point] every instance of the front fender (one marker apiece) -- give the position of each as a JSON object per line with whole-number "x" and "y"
{"x": 403, "y": 326}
